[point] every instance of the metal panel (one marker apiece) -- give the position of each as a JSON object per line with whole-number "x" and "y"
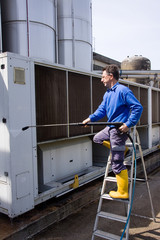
{"x": 79, "y": 101}
{"x": 134, "y": 89}
{"x": 159, "y": 106}
{"x": 29, "y": 28}
{"x": 64, "y": 158}
{"x": 144, "y": 102}
{"x": 16, "y": 146}
{"x": 98, "y": 91}
{"x": 154, "y": 106}
{"x": 51, "y": 102}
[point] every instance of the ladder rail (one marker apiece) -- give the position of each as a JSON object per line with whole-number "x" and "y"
{"x": 146, "y": 177}
{"x": 126, "y": 220}
{"x": 102, "y": 192}
{"x": 131, "y": 185}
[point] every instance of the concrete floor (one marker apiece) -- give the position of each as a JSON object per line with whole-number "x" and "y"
{"x": 78, "y": 209}
{"x": 79, "y": 225}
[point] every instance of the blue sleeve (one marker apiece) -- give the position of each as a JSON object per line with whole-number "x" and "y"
{"x": 135, "y": 108}
{"x": 100, "y": 112}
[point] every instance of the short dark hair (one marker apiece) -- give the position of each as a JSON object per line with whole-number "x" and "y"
{"x": 112, "y": 69}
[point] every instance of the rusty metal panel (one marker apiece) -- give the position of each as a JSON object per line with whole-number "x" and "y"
{"x": 98, "y": 91}
{"x": 79, "y": 91}
{"x": 51, "y": 102}
{"x": 144, "y": 102}
{"x": 154, "y": 107}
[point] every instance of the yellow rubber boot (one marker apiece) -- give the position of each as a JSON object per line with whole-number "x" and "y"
{"x": 126, "y": 150}
{"x": 122, "y": 184}
{"x": 107, "y": 144}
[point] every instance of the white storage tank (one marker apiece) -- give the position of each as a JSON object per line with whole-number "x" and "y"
{"x": 75, "y": 33}
{"x": 29, "y": 28}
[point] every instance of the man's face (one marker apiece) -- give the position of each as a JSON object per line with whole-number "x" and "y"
{"x": 106, "y": 78}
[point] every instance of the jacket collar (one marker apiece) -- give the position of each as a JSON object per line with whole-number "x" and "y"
{"x": 113, "y": 88}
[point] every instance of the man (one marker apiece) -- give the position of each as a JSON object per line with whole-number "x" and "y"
{"x": 119, "y": 105}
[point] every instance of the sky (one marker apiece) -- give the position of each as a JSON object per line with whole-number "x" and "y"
{"x": 124, "y": 28}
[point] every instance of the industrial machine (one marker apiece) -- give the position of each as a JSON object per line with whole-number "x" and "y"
{"x": 42, "y": 83}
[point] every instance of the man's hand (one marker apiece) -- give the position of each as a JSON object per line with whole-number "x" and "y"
{"x": 123, "y": 128}
{"x": 86, "y": 121}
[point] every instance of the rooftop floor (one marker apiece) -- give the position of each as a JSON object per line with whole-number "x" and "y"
{"x": 79, "y": 223}
{"x": 79, "y": 226}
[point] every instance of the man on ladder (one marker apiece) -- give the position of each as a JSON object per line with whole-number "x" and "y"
{"x": 119, "y": 105}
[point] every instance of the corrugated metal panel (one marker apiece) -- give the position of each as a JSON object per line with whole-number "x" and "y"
{"x": 158, "y": 105}
{"x": 154, "y": 107}
{"x": 98, "y": 91}
{"x": 79, "y": 101}
{"x": 51, "y": 102}
{"x": 135, "y": 91}
{"x": 144, "y": 102}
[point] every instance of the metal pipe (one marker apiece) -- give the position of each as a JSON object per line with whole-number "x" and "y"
{"x": 56, "y": 23}
{"x": 117, "y": 124}
{"x": 27, "y": 21}
{"x": 139, "y": 72}
{"x": 73, "y": 36}
{"x": 141, "y": 76}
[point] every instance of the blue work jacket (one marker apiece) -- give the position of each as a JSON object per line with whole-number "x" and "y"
{"x": 119, "y": 105}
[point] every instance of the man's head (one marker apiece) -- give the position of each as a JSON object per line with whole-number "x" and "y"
{"x": 110, "y": 75}
{"x": 113, "y": 69}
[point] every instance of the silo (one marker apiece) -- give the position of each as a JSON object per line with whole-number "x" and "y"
{"x": 136, "y": 63}
{"x": 29, "y": 28}
{"x": 75, "y": 33}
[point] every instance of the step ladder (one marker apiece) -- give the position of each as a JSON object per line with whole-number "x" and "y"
{"x": 114, "y": 217}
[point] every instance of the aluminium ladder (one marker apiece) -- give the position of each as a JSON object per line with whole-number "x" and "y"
{"x": 104, "y": 196}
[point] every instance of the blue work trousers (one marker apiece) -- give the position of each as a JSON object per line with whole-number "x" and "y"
{"x": 117, "y": 142}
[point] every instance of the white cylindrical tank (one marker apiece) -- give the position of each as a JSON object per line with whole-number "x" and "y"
{"x": 29, "y": 28}
{"x": 75, "y": 33}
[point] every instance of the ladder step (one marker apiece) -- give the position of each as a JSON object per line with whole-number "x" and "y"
{"x": 107, "y": 235}
{"x": 112, "y": 216}
{"x": 127, "y": 163}
{"x": 129, "y": 144}
{"x": 111, "y": 179}
{"x": 106, "y": 196}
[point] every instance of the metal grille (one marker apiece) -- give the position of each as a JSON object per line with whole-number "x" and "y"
{"x": 98, "y": 91}
{"x": 51, "y": 102}
{"x": 144, "y": 102}
{"x": 135, "y": 91}
{"x": 158, "y": 105}
{"x": 154, "y": 107}
{"x": 79, "y": 101}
